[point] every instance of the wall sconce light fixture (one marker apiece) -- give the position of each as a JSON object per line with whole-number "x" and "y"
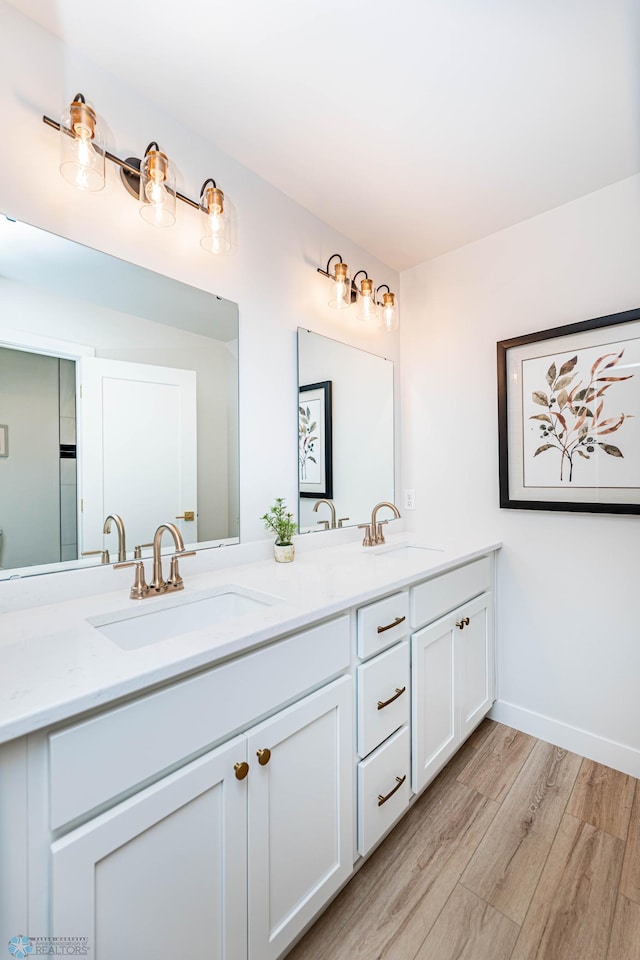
{"x": 81, "y": 146}
{"x": 151, "y": 180}
{"x": 367, "y": 308}
{"x": 344, "y": 292}
{"x": 372, "y": 311}
{"x": 219, "y": 219}
{"x": 389, "y": 311}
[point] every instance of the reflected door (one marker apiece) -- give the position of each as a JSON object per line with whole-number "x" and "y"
{"x": 137, "y": 449}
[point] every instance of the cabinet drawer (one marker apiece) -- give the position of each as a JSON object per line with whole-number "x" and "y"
{"x": 434, "y": 598}
{"x": 383, "y": 696}
{"x": 98, "y": 759}
{"x": 382, "y": 623}
{"x": 385, "y": 774}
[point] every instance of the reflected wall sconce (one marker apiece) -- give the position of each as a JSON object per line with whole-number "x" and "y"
{"x": 151, "y": 180}
{"x": 370, "y": 310}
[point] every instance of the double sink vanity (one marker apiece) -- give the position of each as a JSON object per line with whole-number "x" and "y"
{"x": 219, "y": 761}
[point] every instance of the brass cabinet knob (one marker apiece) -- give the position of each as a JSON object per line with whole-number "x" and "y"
{"x": 461, "y": 624}
{"x": 241, "y": 769}
{"x": 263, "y": 756}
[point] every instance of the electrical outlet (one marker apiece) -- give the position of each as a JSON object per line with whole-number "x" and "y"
{"x": 409, "y": 500}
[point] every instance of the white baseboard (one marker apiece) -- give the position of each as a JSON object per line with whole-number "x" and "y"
{"x": 607, "y": 752}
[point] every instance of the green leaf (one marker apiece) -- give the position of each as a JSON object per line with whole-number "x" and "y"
{"x": 541, "y": 416}
{"x": 545, "y": 446}
{"x": 564, "y": 382}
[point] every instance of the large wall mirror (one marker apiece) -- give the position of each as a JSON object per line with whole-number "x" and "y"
{"x": 345, "y": 436}
{"x": 118, "y": 395}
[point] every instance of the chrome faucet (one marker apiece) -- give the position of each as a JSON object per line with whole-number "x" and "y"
{"x": 333, "y": 513}
{"x": 122, "y": 547}
{"x": 373, "y": 531}
{"x": 140, "y": 590}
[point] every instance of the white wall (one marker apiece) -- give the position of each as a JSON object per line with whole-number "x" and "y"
{"x": 273, "y": 277}
{"x": 569, "y": 639}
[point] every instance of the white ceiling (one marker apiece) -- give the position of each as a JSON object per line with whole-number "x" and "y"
{"x": 414, "y": 126}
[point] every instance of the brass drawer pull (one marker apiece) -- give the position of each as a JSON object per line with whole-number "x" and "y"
{"x": 385, "y": 703}
{"x": 399, "y": 782}
{"x": 390, "y": 626}
{"x": 263, "y": 756}
{"x": 241, "y": 769}
{"x": 461, "y": 624}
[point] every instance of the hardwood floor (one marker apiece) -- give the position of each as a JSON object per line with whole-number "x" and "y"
{"x": 517, "y": 851}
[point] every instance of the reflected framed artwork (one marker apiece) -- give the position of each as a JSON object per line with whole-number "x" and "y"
{"x": 315, "y": 469}
{"x": 569, "y": 417}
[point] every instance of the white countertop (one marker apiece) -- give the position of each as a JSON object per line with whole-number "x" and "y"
{"x": 54, "y": 664}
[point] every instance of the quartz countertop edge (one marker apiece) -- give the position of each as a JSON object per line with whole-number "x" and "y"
{"x": 55, "y": 665}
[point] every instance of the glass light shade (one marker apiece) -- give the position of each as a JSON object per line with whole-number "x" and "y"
{"x": 367, "y": 309}
{"x": 157, "y": 190}
{"x": 389, "y": 313}
{"x": 219, "y": 222}
{"x": 81, "y": 147}
{"x": 341, "y": 297}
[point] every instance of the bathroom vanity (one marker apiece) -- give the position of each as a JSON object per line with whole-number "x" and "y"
{"x": 222, "y": 783}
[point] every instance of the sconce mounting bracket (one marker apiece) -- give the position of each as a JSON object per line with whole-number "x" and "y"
{"x": 130, "y": 179}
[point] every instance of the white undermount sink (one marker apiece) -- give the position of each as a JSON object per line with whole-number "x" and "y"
{"x": 161, "y": 618}
{"x": 407, "y": 551}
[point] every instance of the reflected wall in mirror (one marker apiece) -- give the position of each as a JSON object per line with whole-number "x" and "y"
{"x": 362, "y": 449}
{"x": 119, "y": 387}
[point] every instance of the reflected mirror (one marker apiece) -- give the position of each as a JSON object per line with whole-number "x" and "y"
{"x": 118, "y": 395}
{"x": 345, "y": 436}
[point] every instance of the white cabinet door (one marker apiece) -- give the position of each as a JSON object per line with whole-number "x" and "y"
{"x": 474, "y": 663}
{"x": 451, "y": 684}
{"x": 300, "y": 815}
{"x": 162, "y": 874}
{"x": 433, "y": 708}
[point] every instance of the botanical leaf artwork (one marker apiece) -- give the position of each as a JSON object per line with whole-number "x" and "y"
{"x": 572, "y": 421}
{"x": 307, "y": 440}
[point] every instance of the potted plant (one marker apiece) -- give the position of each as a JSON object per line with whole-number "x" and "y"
{"x": 282, "y": 523}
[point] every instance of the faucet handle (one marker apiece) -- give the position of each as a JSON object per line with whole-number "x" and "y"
{"x": 175, "y": 580}
{"x": 137, "y": 552}
{"x": 368, "y": 541}
{"x": 324, "y": 524}
{"x": 139, "y": 590}
{"x": 104, "y": 554}
{"x": 341, "y": 520}
{"x": 379, "y": 533}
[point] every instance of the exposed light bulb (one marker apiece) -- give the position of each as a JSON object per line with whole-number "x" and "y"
{"x": 155, "y": 192}
{"x": 82, "y": 151}
{"x": 217, "y": 237}
{"x": 157, "y": 188}
{"x": 389, "y": 312}
{"x": 342, "y": 291}
{"x": 367, "y": 307}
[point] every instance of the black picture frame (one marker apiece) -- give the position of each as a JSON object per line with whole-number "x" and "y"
{"x": 314, "y": 407}
{"x": 573, "y": 347}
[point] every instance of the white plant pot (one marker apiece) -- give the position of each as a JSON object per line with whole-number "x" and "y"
{"x": 283, "y": 552}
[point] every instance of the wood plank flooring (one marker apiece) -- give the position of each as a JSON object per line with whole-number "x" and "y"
{"x": 517, "y": 851}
